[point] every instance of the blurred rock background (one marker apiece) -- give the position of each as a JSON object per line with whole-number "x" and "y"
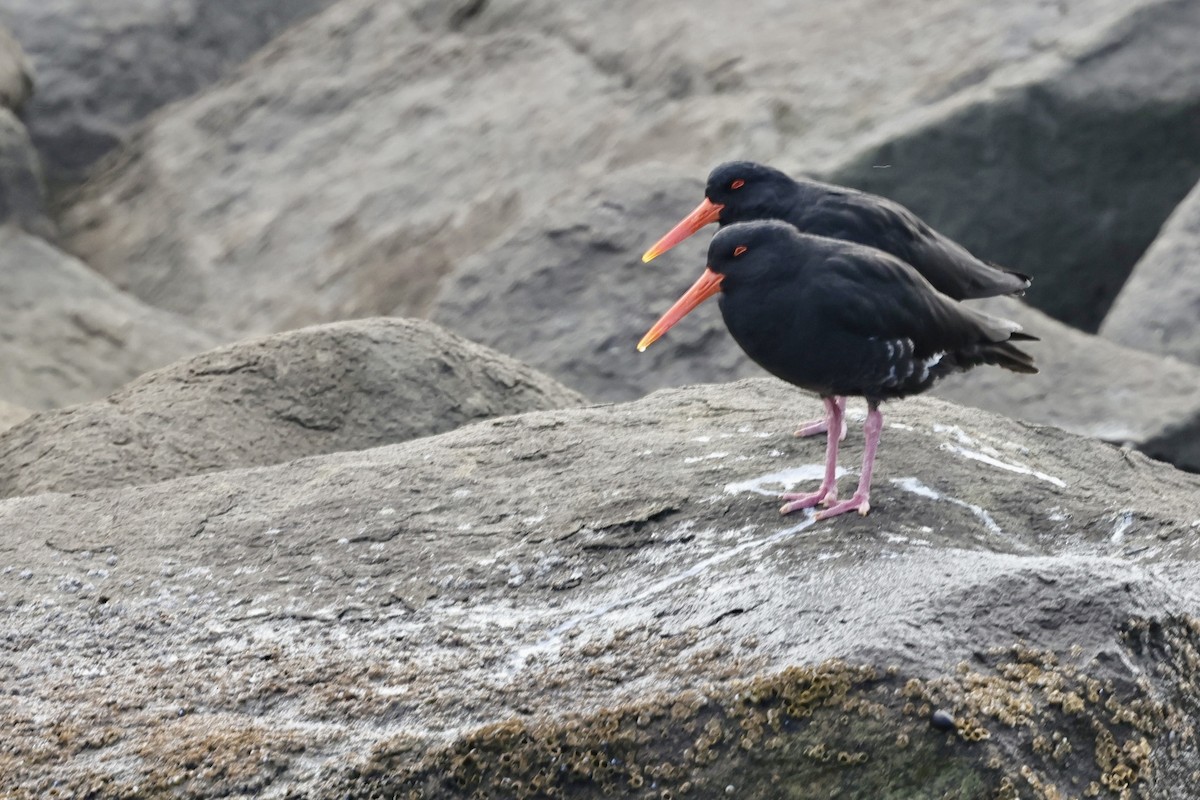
{"x": 186, "y": 184}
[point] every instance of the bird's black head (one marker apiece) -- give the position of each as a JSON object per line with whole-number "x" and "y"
{"x": 753, "y": 252}
{"x": 749, "y": 191}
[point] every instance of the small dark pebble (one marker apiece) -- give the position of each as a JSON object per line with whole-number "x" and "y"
{"x": 942, "y": 720}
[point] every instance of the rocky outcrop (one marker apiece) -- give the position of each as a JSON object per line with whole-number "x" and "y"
{"x": 569, "y": 295}
{"x": 1158, "y": 309}
{"x": 1064, "y": 168}
{"x": 102, "y": 68}
{"x": 604, "y": 600}
{"x": 67, "y": 335}
{"x": 224, "y": 188}
{"x": 338, "y": 387}
{"x": 319, "y": 165}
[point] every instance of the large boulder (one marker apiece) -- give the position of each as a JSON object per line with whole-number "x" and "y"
{"x": 1064, "y": 168}
{"x": 103, "y": 67}
{"x": 67, "y": 335}
{"x": 596, "y": 601}
{"x": 1158, "y": 309}
{"x": 366, "y": 152}
{"x": 354, "y": 161}
{"x": 343, "y": 386}
{"x": 569, "y": 295}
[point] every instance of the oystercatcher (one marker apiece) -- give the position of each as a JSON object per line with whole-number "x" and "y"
{"x": 839, "y": 319}
{"x": 741, "y": 191}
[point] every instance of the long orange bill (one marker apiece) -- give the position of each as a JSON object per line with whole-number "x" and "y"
{"x": 706, "y": 212}
{"x": 708, "y": 285}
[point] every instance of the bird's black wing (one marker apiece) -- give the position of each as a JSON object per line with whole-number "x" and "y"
{"x": 896, "y": 329}
{"x": 881, "y": 223}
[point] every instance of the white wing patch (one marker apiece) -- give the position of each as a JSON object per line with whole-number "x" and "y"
{"x": 929, "y": 364}
{"x": 901, "y": 364}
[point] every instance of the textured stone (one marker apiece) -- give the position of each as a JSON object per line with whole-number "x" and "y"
{"x": 16, "y": 76}
{"x": 22, "y": 195}
{"x": 367, "y": 152}
{"x": 67, "y": 335}
{"x": 606, "y": 589}
{"x": 10, "y": 415}
{"x": 1064, "y": 168}
{"x": 103, "y": 67}
{"x": 1158, "y": 309}
{"x": 343, "y": 386}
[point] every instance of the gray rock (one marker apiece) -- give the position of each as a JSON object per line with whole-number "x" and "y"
{"x": 602, "y": 597}
{"x": 103, "y": 67}
{"x": 1158, "y": 309}
{"x": 1064, "y": 168}
{"x": 569, "y": 295}
{"x": 340, "y": 162}
{"x": 10, "y": 415}
{"x": 1093, "y": 387}
{"x": 343, "y": 386}
{"x": 67, "y": 335}
{"x": 22, "y": 195}
{"x": 16, "y": 76}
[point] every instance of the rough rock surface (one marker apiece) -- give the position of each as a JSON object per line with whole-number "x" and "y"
{"x": 604, "y": 599}
{"x": 22, "y": 195}
{"x": 1090, "y": 386}
{"x": 16, "y": 77}
{"x": 10, "y": 415}
{"x": 67, "y": 335}
{"x": 1158, "y": 309}
{"x": 569, "y": 295}
{"x": 21, "y": 191}
{"x": 369, "y": 150}
{"x": 103, "y": 67}
{"x": 1064, "y": 168}
{"x": 343, "y": 386}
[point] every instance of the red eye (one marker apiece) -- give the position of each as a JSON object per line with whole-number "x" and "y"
{"x": 737, "y": 251}
{"x": 739, "y": 183}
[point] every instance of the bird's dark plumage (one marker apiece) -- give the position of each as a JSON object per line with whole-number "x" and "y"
{"x": 843, "y": 319}
{"x": 839, "y": 319}
{"x": 746, "y": 191}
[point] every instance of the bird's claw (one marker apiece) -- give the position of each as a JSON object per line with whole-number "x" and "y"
{"x": 796, "y": 502}
{"x": 860, "y": 504}
{"x": 818, "y": 426}
{"x": 812, "y": 428}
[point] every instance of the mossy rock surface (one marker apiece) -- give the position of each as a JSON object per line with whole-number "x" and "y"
{"x": 612, "y": 590}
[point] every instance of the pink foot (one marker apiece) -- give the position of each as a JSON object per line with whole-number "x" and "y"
{"x": 795, "y": 502}
{"x": 812, "y": 428}
{"x": 856, "y": 503}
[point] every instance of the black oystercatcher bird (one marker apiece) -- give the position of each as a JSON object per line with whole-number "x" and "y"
{"x": 841, "y": 319}
{"x": 742, "y": 191}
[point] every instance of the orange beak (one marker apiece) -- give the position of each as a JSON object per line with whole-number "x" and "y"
{"x": 708, "y": 285}
{"x": 706, "y": 212}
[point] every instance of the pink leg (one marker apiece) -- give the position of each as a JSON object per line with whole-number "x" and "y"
{"x": 861, "y": 501}
{"x": 827, "y": 491}
{"x": 822, "y": 425}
